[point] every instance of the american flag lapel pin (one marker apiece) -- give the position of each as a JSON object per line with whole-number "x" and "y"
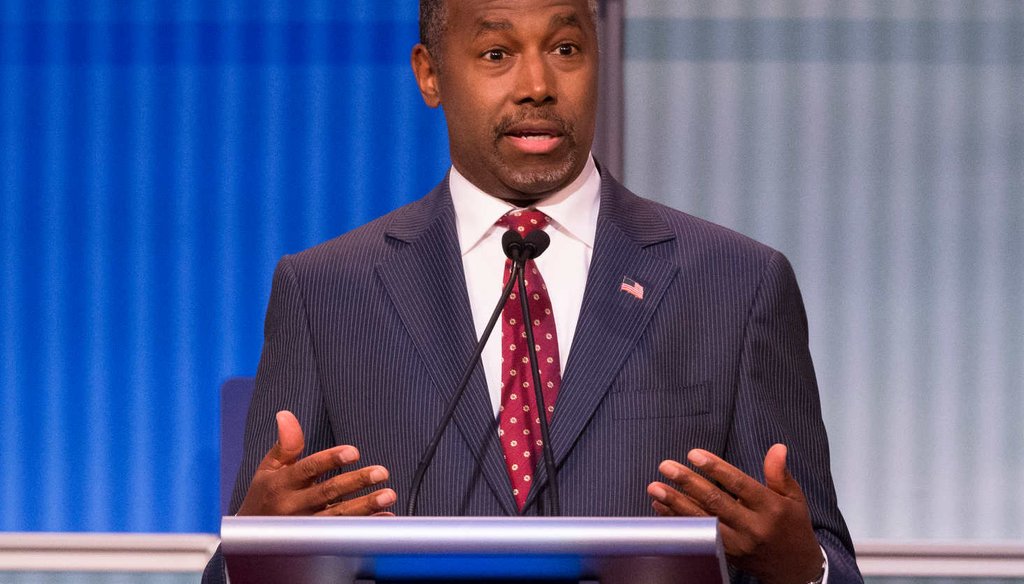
{"x": 632, "y": 288}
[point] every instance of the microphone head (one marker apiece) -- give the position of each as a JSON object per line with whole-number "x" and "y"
{"x": 512, "y": 244}
{"x": 535, "y": 243}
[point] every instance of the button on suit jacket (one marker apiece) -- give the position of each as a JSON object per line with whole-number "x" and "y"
{"x": 367, "y": 336}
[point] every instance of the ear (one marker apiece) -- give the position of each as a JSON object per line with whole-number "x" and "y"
{"x": 425, "y": 70}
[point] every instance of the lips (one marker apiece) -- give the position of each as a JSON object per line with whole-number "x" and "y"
{"x": 536, "y": 137}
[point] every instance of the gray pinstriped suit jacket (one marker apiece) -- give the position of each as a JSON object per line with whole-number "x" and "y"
{"x": 367, "y": 336}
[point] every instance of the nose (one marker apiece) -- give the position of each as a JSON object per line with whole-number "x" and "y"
{"x": 535, "y": 81}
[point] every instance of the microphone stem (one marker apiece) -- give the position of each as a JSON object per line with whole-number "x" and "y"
{"x": 428, "y": 454}
{"x": 549, "y": 461}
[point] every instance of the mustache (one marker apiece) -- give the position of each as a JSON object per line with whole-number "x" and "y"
{"x": 510, "y": 121}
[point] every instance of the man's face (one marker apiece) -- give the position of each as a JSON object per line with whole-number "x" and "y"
{"x": 518, "y": 83}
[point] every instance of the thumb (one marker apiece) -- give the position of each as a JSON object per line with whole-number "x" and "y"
{"x": 777, "y": 476}
{"x": 290, "y": 442}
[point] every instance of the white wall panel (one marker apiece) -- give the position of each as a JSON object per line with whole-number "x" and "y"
{"x": 880, "y": 145}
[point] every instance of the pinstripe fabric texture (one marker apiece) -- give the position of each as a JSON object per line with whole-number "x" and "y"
{"x": 366, "y": 336}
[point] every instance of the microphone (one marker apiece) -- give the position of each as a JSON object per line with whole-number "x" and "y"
{"x": 535, "y": 243}
{"x": 515, "y": 247}
{"x": 531, "y": 247}
{"x": 512, "y": 244}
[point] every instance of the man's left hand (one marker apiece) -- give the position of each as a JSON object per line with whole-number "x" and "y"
{"x": 766, "y": 529}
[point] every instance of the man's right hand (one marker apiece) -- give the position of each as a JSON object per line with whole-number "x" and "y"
{"x": 286, "y": 485}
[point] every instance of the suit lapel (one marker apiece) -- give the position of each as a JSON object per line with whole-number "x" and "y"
{"x": 611, "y": 320}
{"x": 424, "y": 279}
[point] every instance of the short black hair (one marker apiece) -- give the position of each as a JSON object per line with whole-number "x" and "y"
{"x": 434, "y": 19}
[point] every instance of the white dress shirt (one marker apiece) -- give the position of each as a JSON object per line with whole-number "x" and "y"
{"x": 573, "y": 213}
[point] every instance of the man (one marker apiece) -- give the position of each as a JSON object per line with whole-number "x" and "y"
{"x": 666, "y": 336}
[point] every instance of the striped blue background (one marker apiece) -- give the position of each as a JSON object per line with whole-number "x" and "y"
{"x": 156, "y": 158}
{"x": 880, "y": 145}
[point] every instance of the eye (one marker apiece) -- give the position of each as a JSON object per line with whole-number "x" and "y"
{"x": 495, "y": 55}
{"x": 567, "y": 49}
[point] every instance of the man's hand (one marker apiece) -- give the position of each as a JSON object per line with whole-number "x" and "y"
{"x": 766, "y": 529}
{"x": 285, "y": 485}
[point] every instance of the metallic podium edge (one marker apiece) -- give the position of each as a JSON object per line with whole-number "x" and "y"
{"x": 344, "y": 549}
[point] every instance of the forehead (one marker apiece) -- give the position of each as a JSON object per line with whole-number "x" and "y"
{"x": 472, "y": 15}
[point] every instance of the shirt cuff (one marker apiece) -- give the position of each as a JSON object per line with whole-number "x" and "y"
{"x": 824, "y": 576}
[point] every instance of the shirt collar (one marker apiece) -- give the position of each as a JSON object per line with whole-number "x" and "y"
{"x": 572, "y": 210}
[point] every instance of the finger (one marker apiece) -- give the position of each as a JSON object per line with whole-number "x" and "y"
{"x": 777, "y": 475}
{"x": 336, "y": 488}
{"x": 736, "y": 482}
{"x": 309, "y": 469}
{"x": 709, "y": 498}
{"x": 730, "y": 537}
{"x": 666, "y": 505}
{"x": 673, "y": 500}
{"x": 289, "y": 445}
{"x": 375, "y": 503}
{"x": 662, "y": 510}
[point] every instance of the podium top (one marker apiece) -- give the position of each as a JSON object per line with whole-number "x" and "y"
{"x": 670, "y": 536}
{"x": 653, "y": 550}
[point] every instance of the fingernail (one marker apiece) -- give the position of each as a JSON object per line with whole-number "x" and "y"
{"x": 378, "y": 474}
{"x": 670, "y": 469}
{"x": 385, "y": 499}
{"x": 348, "y": 455}
{"x": 657, "y": 492}
{"x": 699, "y": 458}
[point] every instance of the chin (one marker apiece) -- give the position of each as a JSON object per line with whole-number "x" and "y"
{"x": 537, "y": 182}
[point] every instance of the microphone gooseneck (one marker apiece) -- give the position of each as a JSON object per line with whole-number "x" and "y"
{"x": 519, "y": 250}
{"x": 510, "y": 240}
{"x": 533, "y": 245}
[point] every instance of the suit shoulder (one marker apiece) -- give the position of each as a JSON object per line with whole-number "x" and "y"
{"x": 695, "y": 234}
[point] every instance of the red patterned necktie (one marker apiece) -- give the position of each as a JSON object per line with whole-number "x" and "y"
{"x": 519, "y": 421}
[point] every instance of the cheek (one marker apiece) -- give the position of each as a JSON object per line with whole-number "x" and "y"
{"x": 466, "y": 103}
{"x": 469, "y": 126}
{"x": 577, "y": 96}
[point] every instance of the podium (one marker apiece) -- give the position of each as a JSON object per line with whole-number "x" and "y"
{"x": 346, "y": 550}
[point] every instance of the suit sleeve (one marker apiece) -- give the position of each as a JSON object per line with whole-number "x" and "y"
{"x": 777, "y": 401}
{"x": 286, "y": 379}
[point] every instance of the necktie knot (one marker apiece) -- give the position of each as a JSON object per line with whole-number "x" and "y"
{"x": 524, "y": 220}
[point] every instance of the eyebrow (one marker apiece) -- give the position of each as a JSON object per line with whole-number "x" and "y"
{"x": 483, "y": 26}
{"x": 563, "y": 20}
{"x": 557, "y": 21}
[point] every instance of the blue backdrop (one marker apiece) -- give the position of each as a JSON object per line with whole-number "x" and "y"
{"x": 156, "y": 158}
